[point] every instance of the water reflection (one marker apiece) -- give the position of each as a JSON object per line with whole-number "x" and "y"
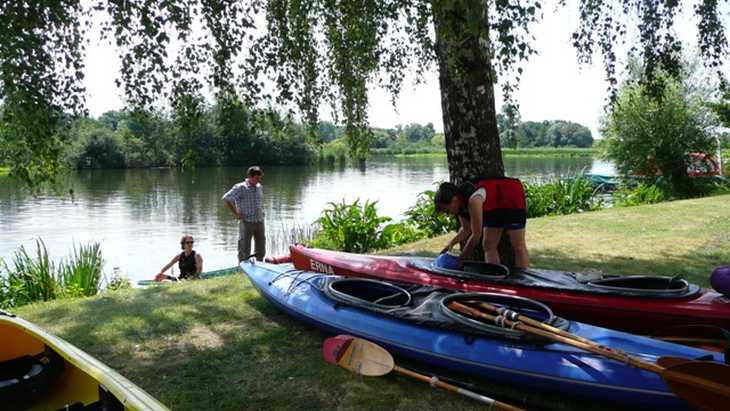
{"x": 139, "y": 215}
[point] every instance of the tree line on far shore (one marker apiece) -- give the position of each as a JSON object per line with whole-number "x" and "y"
{"x": 238, "y": 136}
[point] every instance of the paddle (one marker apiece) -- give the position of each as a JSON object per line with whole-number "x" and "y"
{"x": 704, "y": 336}
{"x": 367, "y": 358}
{"x": 702, "y": 384}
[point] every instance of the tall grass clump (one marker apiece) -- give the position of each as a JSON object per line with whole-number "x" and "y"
{"x": 81, "y": 275}
{"x": 561, "y": 196}
{"x": 29, "y": 278}
{"x": 32, "y": 278}
{"x": 279, "y": 238}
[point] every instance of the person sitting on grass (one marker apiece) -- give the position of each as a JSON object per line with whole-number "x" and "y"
{"x": 189, "y": 262}
{"x": 486, "y": 208}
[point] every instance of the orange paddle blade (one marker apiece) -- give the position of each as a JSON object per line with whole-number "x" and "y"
{"x": 715, "y": 395}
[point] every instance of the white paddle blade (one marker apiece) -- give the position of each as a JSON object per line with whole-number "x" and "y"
{"x": 366, "y": 358}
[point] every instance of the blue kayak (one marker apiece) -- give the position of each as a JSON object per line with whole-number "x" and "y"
{"x": 525, "y": 363}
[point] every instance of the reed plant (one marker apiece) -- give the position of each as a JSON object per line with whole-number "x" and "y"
{"x": 31, "y": 278}
{"x": 279, "y": 238}
{"x": 81, "y": 274}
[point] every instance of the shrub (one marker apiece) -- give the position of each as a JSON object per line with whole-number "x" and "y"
{"x": 561, "y": 196}
{"x": 640, "y": 194}
{"x": 400, "y": 233}
{"x": 352, "y": 227}
{"x": 647, "y": 135}
{"x": 424, "y": 217}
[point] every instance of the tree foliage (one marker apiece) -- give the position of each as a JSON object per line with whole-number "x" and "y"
{"x": 315, "y": 51}
{"x": 649, "y": 136}
{"x": 555, "y": 133}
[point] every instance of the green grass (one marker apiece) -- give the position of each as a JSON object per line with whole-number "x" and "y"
{"x": 216, "y": 344}
{"x": 4, "y": 171}
{"x": 689, "y": 237}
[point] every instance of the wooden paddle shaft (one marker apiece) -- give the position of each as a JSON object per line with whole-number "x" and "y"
{"x": 598, "y": 349}
{"x": 434, "y": 381}
{"x": 587, "y": 346}
{"x": 535, "y": 323}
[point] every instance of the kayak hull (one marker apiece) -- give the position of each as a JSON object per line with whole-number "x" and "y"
{"x": 76, "y": 377}
{"x": 633, "y": 314}
{"x": 552, "y": 367}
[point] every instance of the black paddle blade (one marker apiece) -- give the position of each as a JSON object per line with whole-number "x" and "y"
{"x": 712, "y": 396}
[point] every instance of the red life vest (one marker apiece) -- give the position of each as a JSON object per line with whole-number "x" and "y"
{"x": 502, "y": 193}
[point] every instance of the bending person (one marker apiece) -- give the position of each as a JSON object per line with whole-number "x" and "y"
{"x": 486, "y": 208}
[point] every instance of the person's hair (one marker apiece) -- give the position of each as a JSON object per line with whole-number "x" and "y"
{"x": 183, "y": 238}
{"x": 255, "y": 171}
{"x": 445, "y": 193}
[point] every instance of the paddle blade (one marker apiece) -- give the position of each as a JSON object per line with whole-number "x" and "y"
{"x": 667, "y": 362}
{"x": 334, "y": 347}
{"x": 703, "y": 397}
{"x": 358, "y": 355}
{"x": 703, "y": 336}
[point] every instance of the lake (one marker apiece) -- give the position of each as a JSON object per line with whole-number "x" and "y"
{"x": 138, "y": 215}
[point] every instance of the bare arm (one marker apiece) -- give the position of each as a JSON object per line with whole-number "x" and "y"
{"x": 198, "y": 263}
{"x": 232, "y": 207}
{"x": 475, "y": 218}
{"x": 170, "y": 264}
{"x": 463, "y": 233}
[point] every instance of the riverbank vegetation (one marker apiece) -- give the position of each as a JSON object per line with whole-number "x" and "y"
{"x": 31, "y": 277}
{"x": 238, "y": 137}
{"x": 216, "y": 344}
{"x": 357, "y": 227}
{"x": 668, "y": 131}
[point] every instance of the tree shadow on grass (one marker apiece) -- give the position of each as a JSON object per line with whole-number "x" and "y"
{"x": 218, "y": 345}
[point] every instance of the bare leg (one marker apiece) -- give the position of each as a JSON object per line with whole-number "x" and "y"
{"x": 491, "y": 237}
{"x": 517, "y": 239}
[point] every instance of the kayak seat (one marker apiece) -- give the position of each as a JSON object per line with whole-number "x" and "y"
{"x": 28, "y": 377}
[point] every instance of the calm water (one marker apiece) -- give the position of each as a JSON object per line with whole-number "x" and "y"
{"x": 139, "y": 215}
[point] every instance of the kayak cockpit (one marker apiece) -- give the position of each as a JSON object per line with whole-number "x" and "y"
{"x": 428, "y": 305}
{"x": 647, "y": 285}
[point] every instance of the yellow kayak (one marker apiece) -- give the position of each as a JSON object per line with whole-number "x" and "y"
{"x": 39, "y": 371}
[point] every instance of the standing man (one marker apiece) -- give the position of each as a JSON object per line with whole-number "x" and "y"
{"x": 245, "y": 200}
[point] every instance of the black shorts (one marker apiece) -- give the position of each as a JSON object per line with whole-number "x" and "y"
{"x": 507, "y": 218}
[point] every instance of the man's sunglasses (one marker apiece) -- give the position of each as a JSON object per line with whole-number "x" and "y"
{"x": 188, "y": 242}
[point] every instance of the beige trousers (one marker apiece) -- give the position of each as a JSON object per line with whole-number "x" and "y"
{"x": 246, "y": 232}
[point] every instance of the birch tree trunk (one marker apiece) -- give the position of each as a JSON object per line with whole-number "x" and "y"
{"x": 467, "y": 82}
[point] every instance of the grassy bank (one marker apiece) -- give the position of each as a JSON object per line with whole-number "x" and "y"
{"x": 216, "y": 344}
{"x": 689, "y": 237}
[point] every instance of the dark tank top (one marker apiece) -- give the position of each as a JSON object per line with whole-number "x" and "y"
{"x": 187, "y": 266}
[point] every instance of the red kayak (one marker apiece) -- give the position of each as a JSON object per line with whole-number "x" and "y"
{"x": 641, "y": 304}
